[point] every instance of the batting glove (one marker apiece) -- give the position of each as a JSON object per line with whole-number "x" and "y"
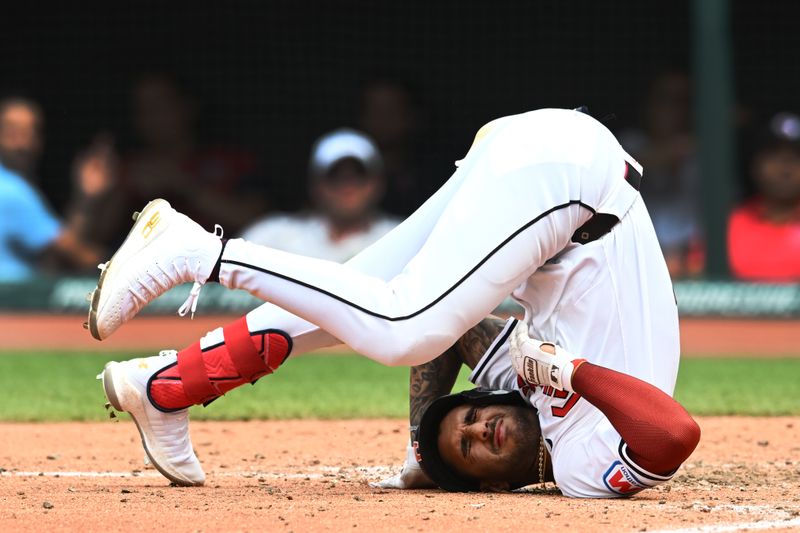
{"x": 538, "y": 367}
{"x": 410, "y": 477}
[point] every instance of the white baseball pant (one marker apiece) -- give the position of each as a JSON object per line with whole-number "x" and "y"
{"x": 514, "y": 203}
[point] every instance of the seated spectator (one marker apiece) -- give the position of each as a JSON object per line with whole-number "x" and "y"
{"x": 666, "y": 148}
{"x": 764, "y": 233}
{"x": 30, "y": 234}
{"x": 95, "y": 209}
{"x": 345, "y": 184}
{"x": 204, "y": 181}
{"x": 21, "y": 139}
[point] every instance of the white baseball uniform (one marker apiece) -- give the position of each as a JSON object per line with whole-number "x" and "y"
{"x": 502, "y": 225}
{"x": 611, "y": 303}
{"x": 527, "y": 184}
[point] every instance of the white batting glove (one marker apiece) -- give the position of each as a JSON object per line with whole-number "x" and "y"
{"x": 537, "y": 366}
{"x": 410, "y": 477}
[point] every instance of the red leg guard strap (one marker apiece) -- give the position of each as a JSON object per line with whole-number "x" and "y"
{"x": 243, "y": 353}
{"x": 193, "y": 373}
{"x": 201, "y": 376}
{"x": 276, "y": 346}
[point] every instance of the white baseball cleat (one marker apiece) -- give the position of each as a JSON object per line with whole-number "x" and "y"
{"x": 552, "y": 368}
{"x": 165, "y": 436}
{"x": 163, "y": 249}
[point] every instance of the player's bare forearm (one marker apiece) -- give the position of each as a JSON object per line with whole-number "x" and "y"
{"x": 430, "y": 381}
{"x": 436, "y": 378}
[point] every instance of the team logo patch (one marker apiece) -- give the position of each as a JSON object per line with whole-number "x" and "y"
{"x": 620, "y": 480}
{"x": 554, "y": 374}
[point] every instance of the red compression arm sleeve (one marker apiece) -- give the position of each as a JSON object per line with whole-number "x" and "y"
{"x": 660, "y": 434}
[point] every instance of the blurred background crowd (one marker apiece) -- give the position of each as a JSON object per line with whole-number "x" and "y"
{"x": 316, "y": 127}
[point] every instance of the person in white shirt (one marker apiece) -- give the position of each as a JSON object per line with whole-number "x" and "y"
{"x": 346, "y": 182}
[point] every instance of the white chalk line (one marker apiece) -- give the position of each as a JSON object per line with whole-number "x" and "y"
{"x": 738, "y": 526}
{"x": 317, "y": 473}
{"x": 77, "y": 474}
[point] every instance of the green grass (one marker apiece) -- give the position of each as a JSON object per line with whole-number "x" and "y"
{"x": 50, "y": 386}
{"x": 740, "y": 386}
{"x": 62, "y": 386}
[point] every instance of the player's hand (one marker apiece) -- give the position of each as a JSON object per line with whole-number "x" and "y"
{"x": 539, "y": 362}
{"x": 410, "y": 477}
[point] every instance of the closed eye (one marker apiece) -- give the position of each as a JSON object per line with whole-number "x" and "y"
{"x": 469, "y": 418}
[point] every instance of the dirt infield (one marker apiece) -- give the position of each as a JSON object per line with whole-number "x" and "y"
{"x": 313, "y": 476}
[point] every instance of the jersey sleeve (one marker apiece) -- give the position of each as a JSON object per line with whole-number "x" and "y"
{"x": 593, "y": 462}
{"x": 494, "y": 370}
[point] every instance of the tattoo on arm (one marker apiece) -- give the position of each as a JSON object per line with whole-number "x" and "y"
{"x": 474, "y": 343}
{"x": 437, "y": 377}
{"x": 430, "y": 381}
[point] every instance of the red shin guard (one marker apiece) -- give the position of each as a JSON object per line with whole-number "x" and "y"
{"x": 203, "y": 375}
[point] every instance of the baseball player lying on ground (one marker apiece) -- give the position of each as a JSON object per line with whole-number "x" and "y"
{"x": 544, "y": 207}
{"x": 596, "y": 432}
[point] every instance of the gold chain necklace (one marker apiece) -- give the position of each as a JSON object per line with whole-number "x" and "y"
{"x": 542, "y": 460}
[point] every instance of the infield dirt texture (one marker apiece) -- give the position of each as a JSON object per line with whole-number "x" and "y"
{"x": 313, "y": 476}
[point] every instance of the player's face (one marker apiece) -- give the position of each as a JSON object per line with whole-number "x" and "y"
{"x": 495, "y": 444}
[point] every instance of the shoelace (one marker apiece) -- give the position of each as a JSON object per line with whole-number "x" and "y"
{"x": 194, "y": 295}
